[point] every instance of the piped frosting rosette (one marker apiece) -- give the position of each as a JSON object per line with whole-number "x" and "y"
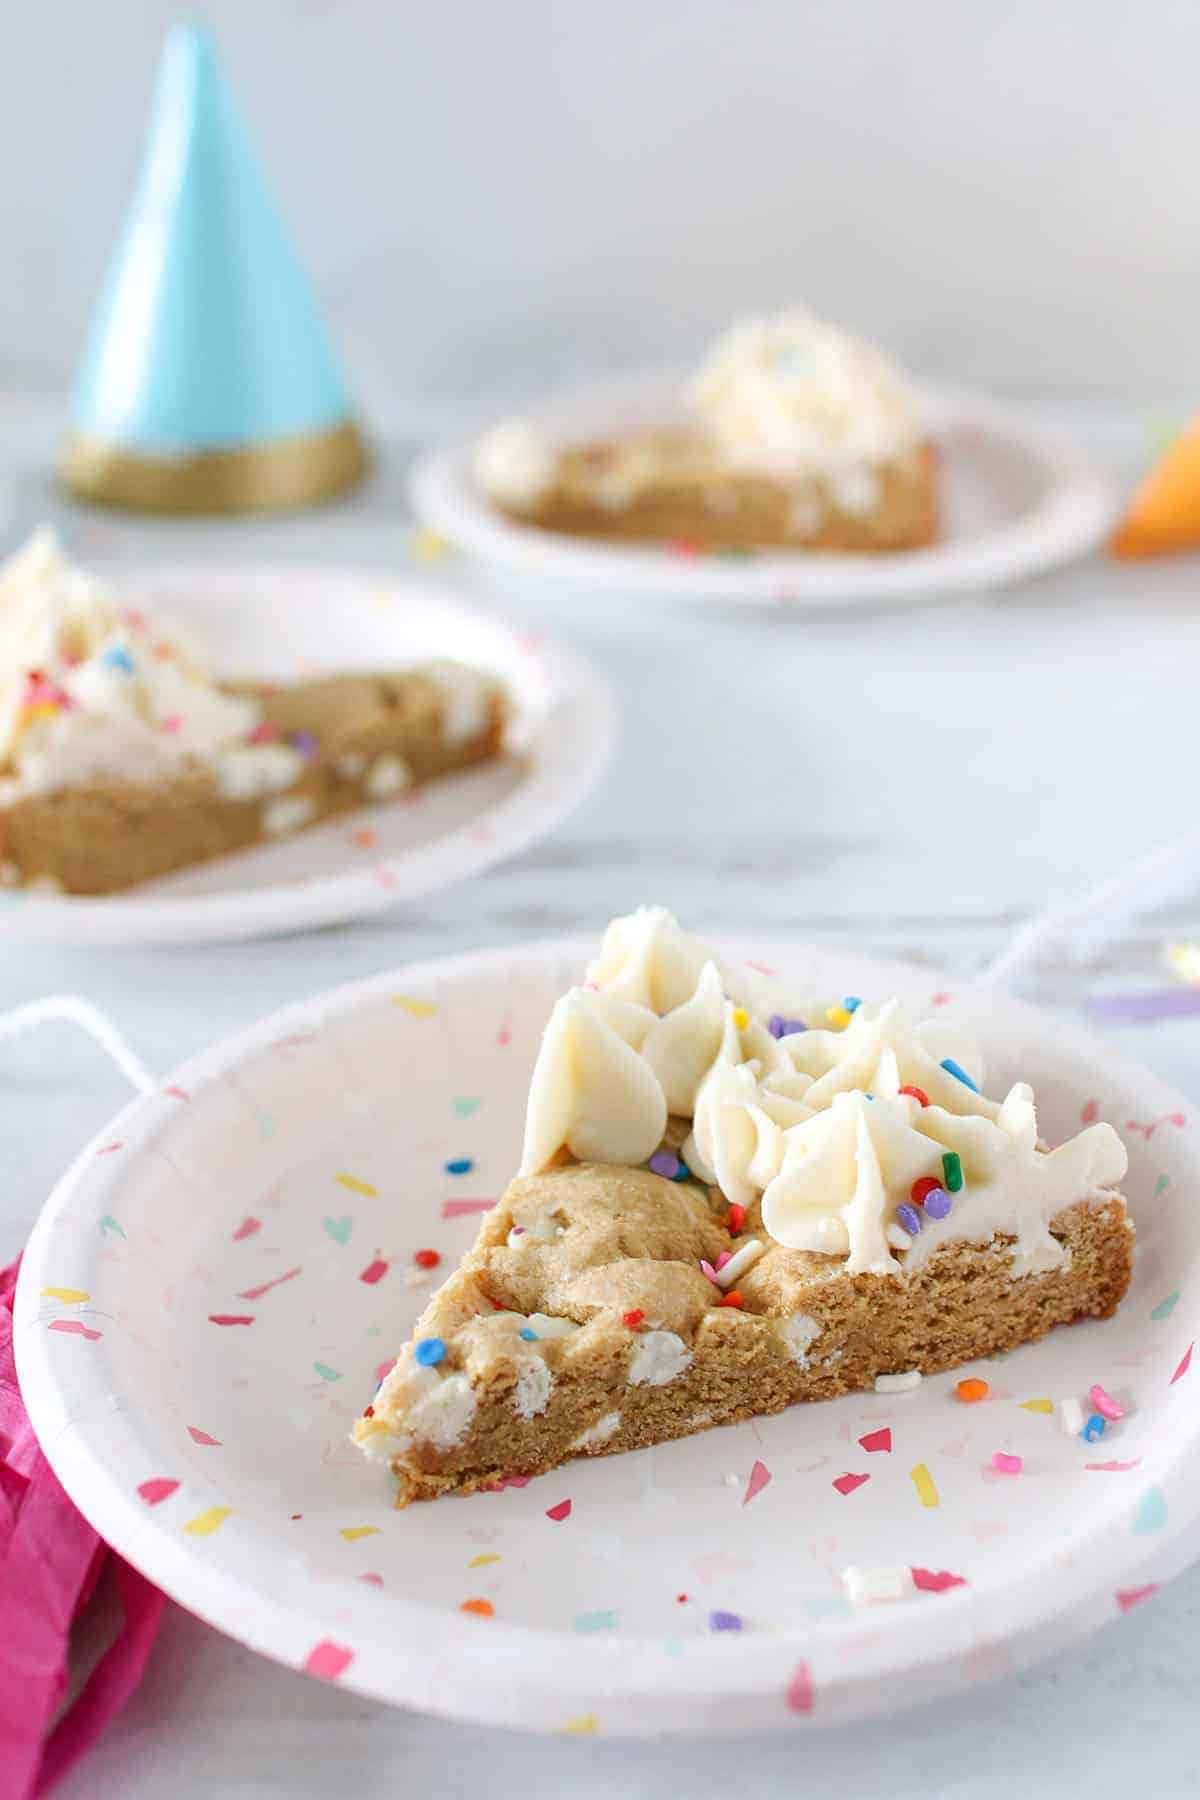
{"x": 861, "y": 1140}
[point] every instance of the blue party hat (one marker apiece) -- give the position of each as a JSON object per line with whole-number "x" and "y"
{"x": 208, "y": 384}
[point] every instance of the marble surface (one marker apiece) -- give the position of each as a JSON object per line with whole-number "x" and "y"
{"x": 916, "y": 782}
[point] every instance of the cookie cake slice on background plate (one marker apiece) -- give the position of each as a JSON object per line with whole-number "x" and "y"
{"x": 731, "y": 1200}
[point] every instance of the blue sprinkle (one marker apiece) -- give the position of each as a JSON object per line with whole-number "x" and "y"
{"x": 461, "y": 1165}
{"x": 531, "y": 1337}
{"x": 118, "y": 658}
{"x": 1094, "y": 1428}
{"x": 852, "y": 1003}
{"x": 780, "y": 1027}
{"x": 908, "y": 1218}
{"x": 664, "y": 1163}
{"x": 304, "y": 742}
{"x": 938, "y": 1204}
{"x": 868, "y": 1096}
{"x": 682, "y": 1173}
{"x": 429, "y": 1352}
{"x": 958, "y": 1072}
{"x": 724, "y": 1621}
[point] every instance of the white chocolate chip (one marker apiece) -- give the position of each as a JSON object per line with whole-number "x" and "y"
{"x": 249, "y": 771}
{"x": 799, "y": 1333}
{"x": 597, "y": 1433}
{"x": 658, "y": 1358}
{"x": 387, "y": 775}
{"x": 286, "y": 814}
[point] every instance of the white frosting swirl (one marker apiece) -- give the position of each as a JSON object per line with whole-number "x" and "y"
{"x": 818, "y": 1122}
{"x": 514, "y": 464}
{"x": 796, "y": 399}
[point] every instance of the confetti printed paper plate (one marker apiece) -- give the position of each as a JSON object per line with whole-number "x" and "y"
{"x": 282, "y": 622}
{"x": 1016, "y": 501}
{"x": 216, "y": 1286}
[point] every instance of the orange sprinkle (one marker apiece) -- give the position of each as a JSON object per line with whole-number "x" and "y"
{"x": 482, "y": 1608}
{"x": 732, "y": 1299}
{"x": 972, "y": 1389}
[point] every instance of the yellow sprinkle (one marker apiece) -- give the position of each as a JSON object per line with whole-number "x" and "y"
{"x": 420, "y": 1009}
{"x": 927, "y": 1494}
{"x": 582, "y": 1725}
{"x": 477, "y": 1562}
{"x": 741, "y": 1017}
{"x": 1046, "y": 1406}
{"x": 210, "y": 1520}
{"x": 71, "y": 1296}
{"x": 428, "y": 546}
{"x": 356, "y": 1186}
{"x": 838, "y": 1017}
{"x": 1183, "y": 960}
{"x": 352, "y": 1532}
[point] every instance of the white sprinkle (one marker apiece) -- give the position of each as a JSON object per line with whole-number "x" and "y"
{"x": 732, "y": 1480}
{"x": 867, "y": 1587}
{"x": 903, "y": 1383}
{"x": 739, "y": 1262}
{"x": 1070, "y": 1417}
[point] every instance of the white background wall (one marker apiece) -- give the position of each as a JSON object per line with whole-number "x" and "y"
{"x": 491, "y": 196}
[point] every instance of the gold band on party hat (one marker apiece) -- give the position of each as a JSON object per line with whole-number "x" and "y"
{"x": 255, "y": 478}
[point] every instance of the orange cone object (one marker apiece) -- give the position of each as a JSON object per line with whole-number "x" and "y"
{"x": 1164, "y": 513}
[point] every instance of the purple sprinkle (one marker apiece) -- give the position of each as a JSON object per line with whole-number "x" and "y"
{"x": 663, "y": 1162}
{"x": 779, "y": 1027}
{"x": 938, "y": 1203}
{"x": 909, "y": 1218}
{"x": 304, "y": 742}
{"x": 724, "y": 1621}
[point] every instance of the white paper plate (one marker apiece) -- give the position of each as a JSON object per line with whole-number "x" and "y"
{"x": 1017, "y": 501}
{"x": 281, "y": 621}
{"x": 203, "y": 1308}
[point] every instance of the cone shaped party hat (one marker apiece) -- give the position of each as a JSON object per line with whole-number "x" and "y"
{"x": 207, "y": 384}
{"x": 1164, "y": 514}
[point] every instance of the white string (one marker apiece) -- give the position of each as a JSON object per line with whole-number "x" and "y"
{"x": 1153, "y": 880}
{"x": 73, "y": 1009}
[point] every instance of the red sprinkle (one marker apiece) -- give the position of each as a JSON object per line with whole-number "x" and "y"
{"x": 368, "y": 1412}
{"x": 735, "y": 1218}
{"x": 633, "y": 1318}
{"x": 916, "y": 1093}
{"x": 733, "y": 1299}
{"x": 263, "y": 733}
{"x": 681, "y": 1598}
{"x": 922, "y": 1189}
{"x": 427, "y": 1259}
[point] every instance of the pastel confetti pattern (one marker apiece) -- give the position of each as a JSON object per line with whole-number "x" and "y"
{"x": 338, "y": 1195}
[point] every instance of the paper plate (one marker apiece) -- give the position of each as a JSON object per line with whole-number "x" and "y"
{"x": 281, "y": 622}
{"x": 214, "y": 1289}
{"x": 1017, "y": 500}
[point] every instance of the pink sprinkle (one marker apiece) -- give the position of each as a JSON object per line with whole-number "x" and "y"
{"x": 156, "y": 1490}
{"x": 375, "y": 1271}
{"x": 256, "y": 1293}
{"x": 247, "y": 1228}
{"x": 263, "y": 733}
{"x": 877, "y": 1440}
{"x": 559, "y": 1512}
{"x": 1184, "y": 1366}
{"x": 1007, "y": 1465}
{"x": 706, "y": 1268}
{"x": 517, "y": 1481}
{"x": 1090, "y": 1113}
{"x": 760, "y": 1477}
{"x": 176, "y": 1093}
{"x": 799, "y": 1694}
{"x": 723, "y": 1258}
{"x": 76, "y": 1328}
{"x": 201, "y": 1437}
{"x": 504, "y": 1035}
{"x": 231, "y": 1318}
{"x": 1113, "y": 1468}
{"x": 107, "y": 1149}
{"x": 936, "y": 1581}
{"x": 1127, "y": 1597}
{"x": 846, "y": 1484}
{"x": 1104, "y": 1403}
{"x": 327, "y": 1660}
{"x": 384, "y": 1369}
{"x": 458, "y": 1209}
{"x": 763, "y": 968}
{"x": 172, "y": 722}
{"x": 375, "y": 1580}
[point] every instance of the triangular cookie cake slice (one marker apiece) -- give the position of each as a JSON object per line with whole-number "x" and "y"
{"x": 729, "y": 1202}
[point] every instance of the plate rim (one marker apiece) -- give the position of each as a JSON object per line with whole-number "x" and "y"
{"x": 1071, "y": 519}
{"x": 641, "y": 1695}
{"x": 532, "y": 809}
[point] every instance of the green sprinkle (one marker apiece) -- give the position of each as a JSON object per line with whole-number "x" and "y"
{"x": 952, "y": 1176}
